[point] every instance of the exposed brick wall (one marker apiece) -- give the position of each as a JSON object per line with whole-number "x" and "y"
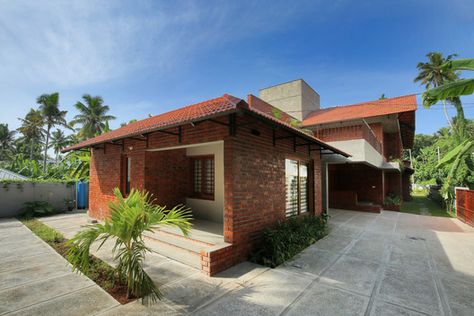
{"x": 166, "y": 176}
{"x": 339, "y": 133}
{"x": 393, "y": 183}
{"x": 105, "y": 170}
{"x": 392, "y": 146}
{"x": 254, "y": 177}
{"x": 256, "y": 192}
{"x": 365, "y": 181}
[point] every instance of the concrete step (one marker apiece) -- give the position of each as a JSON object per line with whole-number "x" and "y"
{"x": 173, "y": 247}
{"x": 182, "y": 243}
{"x": 170, "y": 232}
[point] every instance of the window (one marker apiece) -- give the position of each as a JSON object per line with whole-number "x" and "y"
{"x": 296, "y": 178}
{"x": 203, "y": 177}
{"x": 126, "y": 174}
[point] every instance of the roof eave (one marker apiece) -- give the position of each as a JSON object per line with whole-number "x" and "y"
{"x": 144, "y": 132}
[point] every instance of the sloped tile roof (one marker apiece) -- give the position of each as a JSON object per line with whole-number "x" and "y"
{"x": 362, "y": 110}
{"x": 223, "y": 105}
{"x": 194, "y": 112}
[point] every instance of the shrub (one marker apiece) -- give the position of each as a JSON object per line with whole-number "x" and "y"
{"x": 392, "y": 199}
{"x": 288, "y": 238}
{"x": 130, "y": 218}
{"x": 37, "y": 208}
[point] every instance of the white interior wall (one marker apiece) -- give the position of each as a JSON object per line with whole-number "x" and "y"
{"x": 208, "y": 209}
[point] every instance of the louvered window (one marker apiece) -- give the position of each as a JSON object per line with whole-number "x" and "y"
{"x": 126, "y": 174}
{"x": 203, "y": 177}
{"x": 296, "y": 178}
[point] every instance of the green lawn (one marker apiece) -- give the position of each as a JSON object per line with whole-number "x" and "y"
{"x": 420, "y": 204}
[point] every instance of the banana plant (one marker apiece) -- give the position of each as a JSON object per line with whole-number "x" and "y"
{"x": 452, "y": 160}
{"x": 452, "y": 89}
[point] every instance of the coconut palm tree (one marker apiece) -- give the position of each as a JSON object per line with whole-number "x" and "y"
{"x": 453, "y": 91}
{"x": 59, "y": 141}
{"x": 93, "y": 116}
{"x": 6, "y": 137}
{"x": 52, "y": 116}
{"x": 32, "y": 129}
{"x": 433, "y": 74}
{"x": 130, "y": 218}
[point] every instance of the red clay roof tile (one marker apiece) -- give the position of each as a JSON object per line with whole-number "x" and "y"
{"x": 362, "y": 110}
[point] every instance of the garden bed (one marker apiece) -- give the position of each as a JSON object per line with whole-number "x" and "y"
{"x": 288, "y": 238}
{"x": 99, "y": 272}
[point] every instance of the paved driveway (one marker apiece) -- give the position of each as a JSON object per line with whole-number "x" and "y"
{"x": 35, "y": 280}
{"x": 370, "y": 264}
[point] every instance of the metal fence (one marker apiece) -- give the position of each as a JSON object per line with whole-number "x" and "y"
{"x": 465, "y": 205}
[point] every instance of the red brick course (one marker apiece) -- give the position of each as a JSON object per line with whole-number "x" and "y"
{"x": 254, "y": 178}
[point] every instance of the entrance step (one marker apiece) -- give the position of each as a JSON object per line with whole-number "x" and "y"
{"x": 177, "y": 247}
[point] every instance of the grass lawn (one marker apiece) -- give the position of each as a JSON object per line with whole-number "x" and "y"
{"x": 420, "y": 204}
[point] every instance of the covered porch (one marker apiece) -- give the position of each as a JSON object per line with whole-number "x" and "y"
{"x": 190, "y": 175}
{"x": 355, "y": 186}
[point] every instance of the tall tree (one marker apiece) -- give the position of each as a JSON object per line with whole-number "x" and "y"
{"x": 52, "y": 116}
{"x": 93, "y": 116}
{"x": 433, "y": 74}
{"x": 32, "y": 129}
{"x": 59, "y": 140}
{"x": 6, "y": 139}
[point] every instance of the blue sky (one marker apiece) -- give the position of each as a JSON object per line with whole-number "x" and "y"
{"x": 150, "y": 57}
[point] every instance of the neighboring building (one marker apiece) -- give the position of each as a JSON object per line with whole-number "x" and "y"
{"x": 374, "y": 133}
{"x": 9, "y": 175}
{"x": 239, "y": 165}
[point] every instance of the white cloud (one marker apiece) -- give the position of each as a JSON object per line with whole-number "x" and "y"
{"x": 63, "y": 43}
{"x": 71, "y": 43}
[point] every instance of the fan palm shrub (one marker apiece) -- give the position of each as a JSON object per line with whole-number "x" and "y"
{"x": 130, "y": 218}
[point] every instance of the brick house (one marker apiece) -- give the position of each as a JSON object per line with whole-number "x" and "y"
{"x": 242, "y": 165}
{"x": 374, "y": 133}
{"x": 239, "y": 165}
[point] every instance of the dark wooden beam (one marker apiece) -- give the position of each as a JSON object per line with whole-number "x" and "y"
{"x": 232, "y": 125}
{"x": 137, "y": 138}
{"x": 218, "y": 122}
{"x": 284, "y": 137}
{"x": 169, "y": 133}
{"x": 273, "y": 136}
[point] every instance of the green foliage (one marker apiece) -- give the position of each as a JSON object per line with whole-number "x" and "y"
{"x": 422, "y": 205}
{"x": 74, "y": 166}
{"x": 92, "y": 116}
{"x": 448, "y": 91}
{"x": 277, "y": 113}
{"x": 392, "y": 199}
{"x": 37, "y": 208}
{"x": 446, "y": 159}
{"x": 43, "y": 231}
{"x": 288, "y": 238}
{"x": 130, "y": 218}
{"x": 52, "y": 116}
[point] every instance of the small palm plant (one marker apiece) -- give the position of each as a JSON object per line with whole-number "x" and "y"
{"x": 130, "y": 218}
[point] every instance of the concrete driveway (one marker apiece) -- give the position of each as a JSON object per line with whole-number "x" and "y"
{"x": 370, "y": 264}
{"x": 35, "y": 280}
